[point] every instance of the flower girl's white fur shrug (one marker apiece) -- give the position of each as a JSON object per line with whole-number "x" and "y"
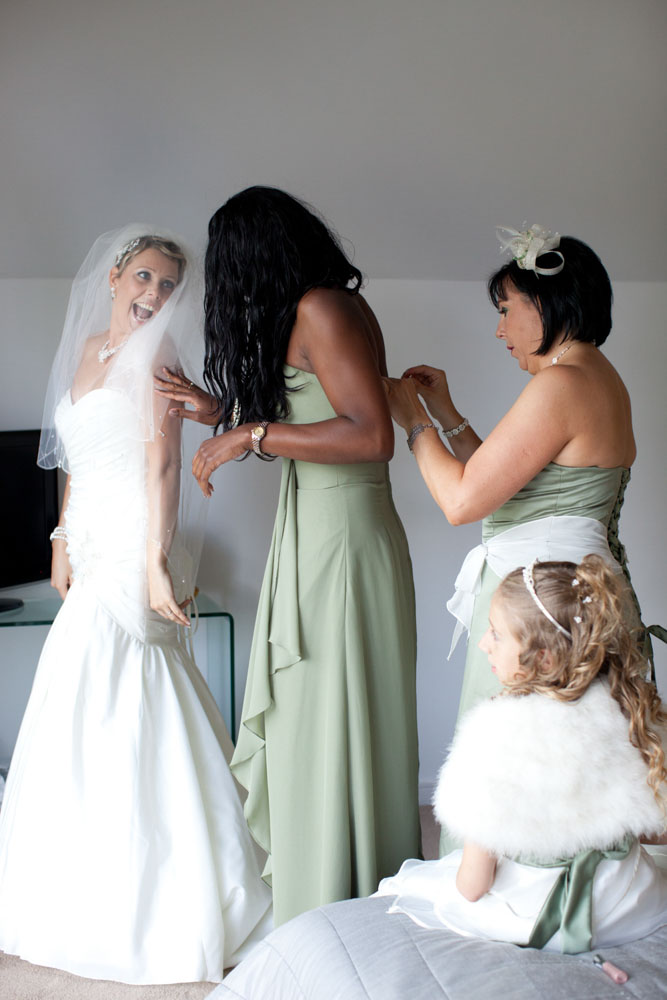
{"x": 532, "y": 777}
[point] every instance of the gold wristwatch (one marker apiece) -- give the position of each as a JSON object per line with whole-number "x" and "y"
{"x": 256, "y": 436}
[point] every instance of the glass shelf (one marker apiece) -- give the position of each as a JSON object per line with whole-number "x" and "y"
{"x": 42, "y": 611}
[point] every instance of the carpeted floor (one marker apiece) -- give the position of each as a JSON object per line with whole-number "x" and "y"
{"x": 22, "y": 981}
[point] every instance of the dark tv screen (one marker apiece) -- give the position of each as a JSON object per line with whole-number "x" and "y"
{"x": 28, "y": 510}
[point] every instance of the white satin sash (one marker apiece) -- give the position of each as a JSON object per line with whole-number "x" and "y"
{"x": 566, "y": 538}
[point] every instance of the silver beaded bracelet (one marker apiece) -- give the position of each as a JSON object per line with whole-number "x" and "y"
{"x": 58, "y": 533}
{"x": 457, "y": 430}
{"x": 416, "y": 431}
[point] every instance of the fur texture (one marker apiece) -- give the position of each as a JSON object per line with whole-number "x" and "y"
{"x": 537, "y": 778}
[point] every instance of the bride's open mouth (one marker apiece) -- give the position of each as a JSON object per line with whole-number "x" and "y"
{"x": 142, "y": 311}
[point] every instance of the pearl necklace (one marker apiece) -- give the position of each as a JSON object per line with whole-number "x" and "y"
{"x": 556, "y": 359}
{"x": 108, "y": 352}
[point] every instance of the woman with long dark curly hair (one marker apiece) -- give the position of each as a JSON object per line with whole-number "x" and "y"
{"x": 328, "y": 740}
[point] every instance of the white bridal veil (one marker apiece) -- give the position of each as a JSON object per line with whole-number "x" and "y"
{"x": 173, "y": 337}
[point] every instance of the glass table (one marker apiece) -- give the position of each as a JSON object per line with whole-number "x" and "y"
{"x": 221, "y": 675}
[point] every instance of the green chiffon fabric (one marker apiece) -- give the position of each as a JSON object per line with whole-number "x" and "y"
{"x": 327, "y": 747}
{"x": 556, "y": 490}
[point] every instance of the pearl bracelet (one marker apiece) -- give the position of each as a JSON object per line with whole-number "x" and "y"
{"x": 456, "y": 430}
{"x": 58, "y": 533}
{"x": 416, "y": 431}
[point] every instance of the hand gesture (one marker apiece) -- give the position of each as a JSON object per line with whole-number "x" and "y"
{"x": 161, "y": 594}
{"x": 61, "y": 568}
{"x": 432, "y": 387}
{"x": 175, "y": 385}
{"x": 404, "y": 403}
{"x": 216, "y": 451}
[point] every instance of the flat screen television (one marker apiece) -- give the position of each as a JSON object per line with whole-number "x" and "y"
{"x": 28, "y": 510}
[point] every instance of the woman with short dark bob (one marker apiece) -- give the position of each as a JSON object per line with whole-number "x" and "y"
{"x": 328, "y": 741}
{"x": 549, "y": 479}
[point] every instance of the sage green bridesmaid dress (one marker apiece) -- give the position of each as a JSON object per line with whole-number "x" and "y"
{"x": 328, "y": 741}
{"x": 556, "y": 490}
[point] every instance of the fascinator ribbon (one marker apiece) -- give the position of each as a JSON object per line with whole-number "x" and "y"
{"x": 529, "y": 244}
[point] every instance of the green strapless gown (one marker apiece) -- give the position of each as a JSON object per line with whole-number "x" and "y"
{"x": 556, "y": 490}
{"x": 328, "y": 741}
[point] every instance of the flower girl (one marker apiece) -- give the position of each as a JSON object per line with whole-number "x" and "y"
{"x": 551, "y": 784}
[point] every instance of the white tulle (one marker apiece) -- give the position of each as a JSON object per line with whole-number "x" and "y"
{"x": 629, "y": 899}
{"x": 124, "y": 853}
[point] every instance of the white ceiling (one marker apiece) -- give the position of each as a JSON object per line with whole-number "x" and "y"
{"x": 415, "y": 127}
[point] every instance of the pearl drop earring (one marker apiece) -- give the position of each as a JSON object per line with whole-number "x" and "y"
{"x": 113, "y": 292}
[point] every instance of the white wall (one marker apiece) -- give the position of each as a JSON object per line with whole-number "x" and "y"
{"x": 450, "y": 324}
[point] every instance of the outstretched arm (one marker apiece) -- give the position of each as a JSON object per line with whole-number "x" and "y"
{"x": 173, "y": 385}
{"x": 529, "y": 436}
{"x": 477, "y": 872}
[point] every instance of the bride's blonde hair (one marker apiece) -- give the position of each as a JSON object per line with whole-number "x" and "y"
{"x": 592, "y": 604}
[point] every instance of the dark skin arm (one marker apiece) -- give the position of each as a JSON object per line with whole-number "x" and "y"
{"x": 336, "y": 337}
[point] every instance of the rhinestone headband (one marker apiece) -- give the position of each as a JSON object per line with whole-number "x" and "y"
{"x": 528, "y": 245}
{"x": 128, "y": 248}
{"x": 530, "y": 587}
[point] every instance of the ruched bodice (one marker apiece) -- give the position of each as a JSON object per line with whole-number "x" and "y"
{"x": 107, "y": 511}
{"x": 559, "y": 490}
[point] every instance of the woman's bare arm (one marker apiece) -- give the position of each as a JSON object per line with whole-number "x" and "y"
{"x": 330, "y": 339}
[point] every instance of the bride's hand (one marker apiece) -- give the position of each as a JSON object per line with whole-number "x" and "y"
{"x": 218, "y": 450}
{"x": 161, "y": 593}
{"x": 61, "y": 568}
{"x": 405, "y": 405}
{"x": 175, "y": 385}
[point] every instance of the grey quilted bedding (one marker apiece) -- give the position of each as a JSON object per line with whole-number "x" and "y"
{"x": 354, "y": 950}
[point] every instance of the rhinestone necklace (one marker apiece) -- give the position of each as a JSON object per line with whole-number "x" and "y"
{"x": 554, "y": 360}
{"x": 108, "y": 352}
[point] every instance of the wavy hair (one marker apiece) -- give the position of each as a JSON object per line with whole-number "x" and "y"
{"x": 595, "y": 611}
{"x": 575, "y": 303}
{"x": 265, "y": 250}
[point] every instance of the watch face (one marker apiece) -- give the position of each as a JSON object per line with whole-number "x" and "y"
{"x": 258, "y": 432}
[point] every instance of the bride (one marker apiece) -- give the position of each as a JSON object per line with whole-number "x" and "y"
{"x": 124, "y": 853}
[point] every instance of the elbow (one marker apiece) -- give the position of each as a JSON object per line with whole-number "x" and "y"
{"x": 380, "y": 445}
{"x": 458, "y": 513}
{"x": 471, "y": 890}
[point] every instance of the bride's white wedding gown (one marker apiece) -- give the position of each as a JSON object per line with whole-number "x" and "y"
{"x": 124, "y": 852}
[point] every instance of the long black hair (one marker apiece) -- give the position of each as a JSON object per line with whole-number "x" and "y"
{"x": 575, "y": 303}
{"x": 265, "y": 250}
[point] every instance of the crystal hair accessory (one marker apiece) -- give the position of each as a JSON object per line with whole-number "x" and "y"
{"x": 530, "y": 587}
{"x": 529, "y": 244}
{"x": 128, "y": 248}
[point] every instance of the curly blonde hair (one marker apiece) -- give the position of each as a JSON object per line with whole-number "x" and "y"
{"x": 592, "y": 603}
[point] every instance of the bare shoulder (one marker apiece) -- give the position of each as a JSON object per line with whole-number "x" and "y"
{"x": 554, "y": 384}
{"x": 326, "y": 306}
{"x": 331, "y": 320}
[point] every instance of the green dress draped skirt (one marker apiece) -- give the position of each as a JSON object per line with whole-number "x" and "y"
{"x": 328, "y": 742}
